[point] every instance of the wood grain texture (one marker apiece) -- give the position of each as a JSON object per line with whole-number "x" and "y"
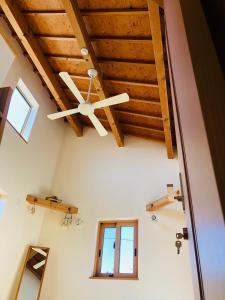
{"x": 51, "y": 205}
{"x": 23, "y": 31}
{"x": 81, "y": 34}
{"x": 155, "y": 23}
{"x": 120, "y": 36}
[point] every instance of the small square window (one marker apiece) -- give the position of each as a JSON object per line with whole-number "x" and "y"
{"x": 22, "y": 110}
{"x": 19, "y": 111}
{"x": 116, "y": 255}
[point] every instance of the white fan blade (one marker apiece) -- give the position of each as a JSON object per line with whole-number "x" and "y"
{"x": 40, "y": 264}
{"x": 63, "y": 114}
{"x": 71, "y": 85}
{"x": 42, "y": 252}
{"x": 111, "y": 101}
{"x": 98, "y": 125}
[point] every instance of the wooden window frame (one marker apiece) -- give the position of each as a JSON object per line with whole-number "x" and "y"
{"x": 100, "y": 238}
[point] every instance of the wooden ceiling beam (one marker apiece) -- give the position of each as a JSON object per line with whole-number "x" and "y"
{"x": 160, "y": 3}
{"x": 155, "y": 25}
{"x": 96, "y": 38}
{"x": 114, "y": 80}
{"x": 135, "y": 130}
{"x": 102, "y": 60}
{"x": 29, "y": 42}
{"x": 114, "y": 12}
{"x": 79, "y": 29}
{"x": 132, "y": 83}
{"x": 91, "y": 12}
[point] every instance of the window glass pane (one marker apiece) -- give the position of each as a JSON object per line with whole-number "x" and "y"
{"x": 126, "y": 249}
{"x": 108, "y": 250}
{"x": 18, "y": 111}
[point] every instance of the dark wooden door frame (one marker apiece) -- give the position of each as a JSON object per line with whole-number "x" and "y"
{"x": 199, "y": 108}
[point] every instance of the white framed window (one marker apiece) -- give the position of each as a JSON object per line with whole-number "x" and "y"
{"x": 22, "y": 110}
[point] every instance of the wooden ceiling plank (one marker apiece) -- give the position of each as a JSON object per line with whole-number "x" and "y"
{"x": 90, "y": 12}
{"x": 114, "y": 80}
{"x": 135, "y": 130}
{"x": 132, "y": 83}
{"x": 29, "y": 42}
{"x": 105, "y": 61}
{"x": 83, "y": 4}
{"x": 80, "y": 32}
{"x": 134, "y": 91}
{"x": 154, "y": 17}
{"x": 103, "y": 25}
{"x": 133, "y": 39}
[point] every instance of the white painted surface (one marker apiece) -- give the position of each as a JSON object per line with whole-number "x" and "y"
{"x": 30, "y": 286}
{"x": 25, "y": 168}
{"x": 107, "y": 182}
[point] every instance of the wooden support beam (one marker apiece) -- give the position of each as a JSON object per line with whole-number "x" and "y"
{"x": 79, "y": 29}
{"x": 30, "y": 43}
{"x": 155, "y": 25}
{"x": 51, "y": 204}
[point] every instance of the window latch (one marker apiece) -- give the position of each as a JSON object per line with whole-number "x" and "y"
{"x": 135, "y": 252}
{"x": 99, "y": 252}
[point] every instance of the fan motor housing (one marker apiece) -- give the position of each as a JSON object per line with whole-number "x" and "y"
{"x": 86, "y": 109}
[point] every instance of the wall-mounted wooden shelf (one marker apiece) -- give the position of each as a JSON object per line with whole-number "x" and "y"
{"x": 51, "y": 204}
{"x": 159, "y": 203}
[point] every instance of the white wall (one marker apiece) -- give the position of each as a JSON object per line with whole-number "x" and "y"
{"x": 24, "y": 168}
{"x": 107, "y": 182}
{"x": 7, "y": 57}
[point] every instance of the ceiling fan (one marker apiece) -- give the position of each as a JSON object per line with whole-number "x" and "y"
{"x": 41, "y": 263}
{"x": 85, "y": 107}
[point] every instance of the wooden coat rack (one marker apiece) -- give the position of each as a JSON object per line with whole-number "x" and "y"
{"x": 51, "y": 204}
{"x": 171, "y": 197}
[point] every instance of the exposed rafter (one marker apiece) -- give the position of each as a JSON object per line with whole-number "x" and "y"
{"x": 155, "y": 24}
{"x": 79, "y": 29}
{"x": 30, "y": 43}
{"x": 159, "y": 2}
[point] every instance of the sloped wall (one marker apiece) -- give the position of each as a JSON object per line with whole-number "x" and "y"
{"x": 107, "y": 182}
{"x": 24, "y": 168}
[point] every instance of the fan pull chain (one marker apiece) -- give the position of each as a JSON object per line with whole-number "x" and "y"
{"x": 89, "y": 90}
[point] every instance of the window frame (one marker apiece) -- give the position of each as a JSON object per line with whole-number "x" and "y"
{"x": 27, "y": 116}
{"x": 28, "y": 123}
{"x": 99, "y": 247}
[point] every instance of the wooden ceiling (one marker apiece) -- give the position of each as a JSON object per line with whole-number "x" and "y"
{"x": 126, "y": 46}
